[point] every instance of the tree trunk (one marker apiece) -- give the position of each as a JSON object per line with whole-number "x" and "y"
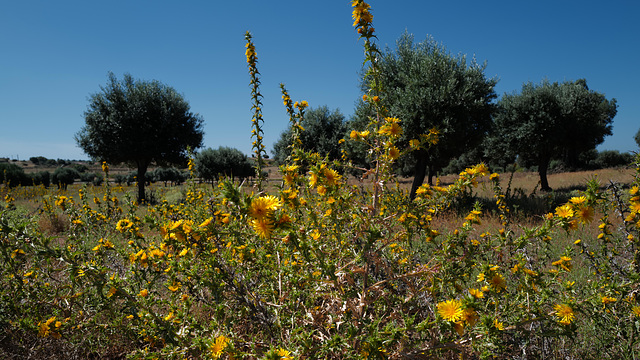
{"x": 419, "y": 173}
{"x": 432, "y": 173}
{"x": 141, "y": 178}
{"x": 543, "y": 165}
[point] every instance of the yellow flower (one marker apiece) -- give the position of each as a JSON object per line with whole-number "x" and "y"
{"x": 284, "y": 354}
{"x": 262, "y": 227}
{"x": 45, "y": 327}
{"x": 206, "y": 222}
{"x": 262, "y": 206}
{"x": 498, "y": 283}
{"x": 361, "y": 14}
{"x": 636, "y": 311}
{"x": 392, "y": 129}
{"x": 564, "y": 313}
{"x": 564, "y": 211}
{"x": 608, "y": 300}
{"x": 218, "y": 346}
{"x": 498, "y": 325}
{"x": 450, "y": 310}
{"x": 394, "y": 153}
{"x": 469, "y": 316}
{"x": 143, "y": 293}
{"x": 174, "y": 287}
{"x": 331, "y": 176}
{"x": 123, "y": 225}
{"x": 169, "y": 316}
{"x": 585, "y": 214}
{"x": 322, "y": 190}
{"x": 476, "y": 293}
{"x": 578, "y": 200}
{"x": 313, "y": 179}
{"x": 111, "y": 292}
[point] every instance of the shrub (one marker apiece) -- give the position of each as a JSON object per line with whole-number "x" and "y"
{"x": 612, "y": 158}
{"x": 64, "y": 176}
{"x": 13, "y": 175}
{"x": 42, "y": 178}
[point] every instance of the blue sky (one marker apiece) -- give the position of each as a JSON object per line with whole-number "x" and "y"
{"x": 54, "y": 54}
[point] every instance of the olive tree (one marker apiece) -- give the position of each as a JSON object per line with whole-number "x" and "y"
{"x": 427, "y": 87}
{"x": 139, "y": 122}
{"x": 213, "y": 163}
{"x": 323, "y": 130}
{"x": 549, "y": 121}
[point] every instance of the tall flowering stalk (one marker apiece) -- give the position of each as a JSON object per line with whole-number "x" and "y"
{"x": 295, "y": 120}
{"x": 257, "y": 120}
{"x": 362, "y": 21}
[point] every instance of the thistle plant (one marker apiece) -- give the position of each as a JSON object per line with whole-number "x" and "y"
{"x": 315, "y": 268}
{"x": 257, "y": 120}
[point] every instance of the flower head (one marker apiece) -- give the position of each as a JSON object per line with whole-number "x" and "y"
{"x": 263, "y": 206}
{"x": 564, "y": 313}
{"x": 262, "y": 227}
{"x": 218, "y": 346}
{"x": 565, "y": 211}
{"x": 451, "y": 310}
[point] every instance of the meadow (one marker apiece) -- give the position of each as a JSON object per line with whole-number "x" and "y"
{"x": 87, "y": 272}
{"x": 311, "y": 262}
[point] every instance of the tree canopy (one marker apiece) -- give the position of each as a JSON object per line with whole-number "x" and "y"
{"x": 551, "y": 121}
{"x": 323, "y": 130}
{"x": 426, "y": 87}
{"x": 637, "y": 138}
{"x": 212, "y": 163}
{"x": 139, "y": 122}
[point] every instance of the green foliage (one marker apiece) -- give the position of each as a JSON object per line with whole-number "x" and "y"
{"x": 612, "y": 158}
{"x": 13, "y": 175}
{"x": 38, "y": 160}
{"x": 323, "y": 130}
{"x": 168, "y": 175}
{"x": 211, "y": 164}
{"x": 139, "y": 122}
{"x": 550, "y": 121}
{"x": 637, "y": 138}
{"x": 42, "y": 178}
{"x": 427, "y": 87}
{"x": 65, "y": 176}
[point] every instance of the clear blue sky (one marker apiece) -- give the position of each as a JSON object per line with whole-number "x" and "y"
{"x": 54, "y": 54}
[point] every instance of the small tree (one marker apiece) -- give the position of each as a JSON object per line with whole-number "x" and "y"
{"x": 212, "y": 163}
{"x": 168, "y": 175}
{"x": 139, "y": 122}
{"x": 637, "y": 138}
{"x": 13, "y": 175}
{"x": 323, "y": 130}
{"x": 551, "y": 121}
{"x": 64, "y": 176}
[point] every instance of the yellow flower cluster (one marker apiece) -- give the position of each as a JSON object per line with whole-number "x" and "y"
{"x": 359, "y": 135}
{"x": 453, "y": 311}
{"x": 564, "y": 263}
{"x": 251, "y": 53}
{"x": 634, "y": 206}
{"x": 262, "y": 211}
{"x": 51, "y": 327}
{"x": 361, "y": 15}
{"x": 391, "y": 127}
